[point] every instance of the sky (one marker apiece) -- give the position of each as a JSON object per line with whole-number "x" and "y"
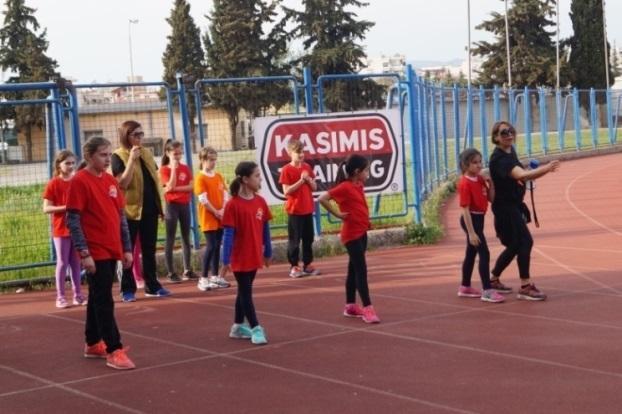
{"x": 90, "y": 38}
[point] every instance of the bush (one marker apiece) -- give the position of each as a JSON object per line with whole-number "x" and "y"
{"x": 430, "y": 230}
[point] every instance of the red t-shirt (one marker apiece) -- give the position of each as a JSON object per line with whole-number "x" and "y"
{"x": 473, "y": 193}
{"x": 351, "y": 199}
{"x": 56, "y": 192}
{"x": 300, "y": 202}
{"x": 184, "y": 176}
{"x": 247, "y": 217}
{"x": 98, "y": 200}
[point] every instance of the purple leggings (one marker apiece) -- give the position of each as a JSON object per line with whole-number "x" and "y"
{"x": 66, "y": 258}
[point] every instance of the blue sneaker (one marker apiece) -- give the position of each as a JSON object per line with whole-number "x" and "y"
{"x": 258, "y": 336}
{"x": 240, "y": 331}
{"x": 128, "y": 297}
{"x": 160, "y": 293}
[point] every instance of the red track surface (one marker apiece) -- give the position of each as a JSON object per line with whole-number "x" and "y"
{"x": 432, "y": 353}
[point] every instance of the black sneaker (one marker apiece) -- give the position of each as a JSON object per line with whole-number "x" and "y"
{"x": 173, "y": 278}
{"x": 189, "y": 275}
{"x": 499, "y": 287}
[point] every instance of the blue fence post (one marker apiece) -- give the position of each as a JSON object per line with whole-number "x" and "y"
{"x": 57, "y": 110}
{"x": 511, "y": 117}
{"x": 593, "y": 118}
{"x": 496, "y": 103}
{"x": 74, "y": 117}
{"x": 425, "y": 138}
{"x": 414, "y": 156}
{"x": 444, "y": 133}
{"x": 169, "y": 105}
{"x": 469, "y": 118}
{"x": 577, "y": 121}
{"x": 185, "y": 127}
{"x": 456, "y": 106}
{"x": 560, "y": 124}
{"x": 482, "y": 123}
{"x": 544, "y": 134}
{"x": 435, "y": 136}
{"x": 609, "y": 117}
{"x": 308, "y": 85}
{"x": 198, "y": 103}
{"x": 49, "y": 136}
{"x": 527, "y": 116}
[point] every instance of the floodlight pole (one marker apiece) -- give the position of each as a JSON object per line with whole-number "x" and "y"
{"x": 129, "y": 31}
{"x": 507, "y": 46}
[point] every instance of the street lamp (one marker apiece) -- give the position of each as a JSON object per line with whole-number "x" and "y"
{"x": 557, "y": 48}
{"x": 606, "y": 51}
{"x": 469, "y": 40}
{"x": 507, "y": 46}
{"x": 129, "y": 31}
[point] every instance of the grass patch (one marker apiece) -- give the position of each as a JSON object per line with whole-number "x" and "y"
{"x": 431, "y": 230}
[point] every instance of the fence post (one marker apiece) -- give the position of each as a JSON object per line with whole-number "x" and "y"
{"x": 511, "y": 112}
{"x": 435, "y": 136}
{"x": 171, "y": 118}
{"x": 74, "y": 116}
{"x": 444, "y": 133}
{"x": 496, "y": 104}
{"x": 57, "y": 110}
{"x": 577, "y": 121}
{"x": 544, "y": 134}
{"x": 593, "y": 117}
{"x": 308, "y": 85}
{"x": 414, "y": 156}
{"x": 483, "y": 122}
{"x": 469, "y": 118}
{"x": 609, "y": 117}
{"x": 560, "y": 126}
{"x": 456, "y": 105}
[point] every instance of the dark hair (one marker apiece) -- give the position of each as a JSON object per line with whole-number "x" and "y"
{"x": 496, "y": 128}
{"x": 467, "y": 156}
{"x": 125, "y": 131}
{"x": 170, "y": 145}
{"x": 90, "y": 147}
{"x": 349, "y": 167}
{"x": 243, "y": 169}
{"x": 60, "y": 157}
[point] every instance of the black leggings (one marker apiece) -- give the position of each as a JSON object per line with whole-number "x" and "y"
{"x": 473, "y": 251}
{"x": 244, "y": 306}
{"x": 176, "y": 212}
{"x": 147, "y": 229}
{"x": 300, "y": 228}
{"x": 357, "y": 271}
{"x": 211, "y": 258}
{"x": 513, "y": 233}
{"x": 100, "y": 322}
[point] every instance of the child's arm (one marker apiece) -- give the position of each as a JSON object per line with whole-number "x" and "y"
{"x": 79, "y": 241}
{"x": 204, "y": 200}
{"x": 325, "y": 202}
{"x": 305, "y": 178}
{"x": 50, "y": 208}
{"x": 172, "y": 179}
{"x": 466, "y": 215}
{"x": 267, "y": 244}
{"x": 185, "y": 188}
{"x": 491, "y": 189}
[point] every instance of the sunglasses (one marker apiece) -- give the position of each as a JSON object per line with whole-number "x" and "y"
{"x": 507, "y": 132}
{"x": 137, "y": 134}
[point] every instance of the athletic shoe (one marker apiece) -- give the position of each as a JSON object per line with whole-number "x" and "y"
{"x": 95, "y": 351}
{"x": 295, "y": 272}
{"x": 258, "y": 336}
{"x": 352, "y": 310}
{"x": 206, "y": 284}
{"x": 240, "y": 331}
{"x": 79, "y": 300}
{"x": 468, "y": 292}
{"x": 189, "y": 275}
{"x": 219, "y": 281}
{"x": 310, "y": 270}
{"x": 530, "y": 292}
{"x": 491, "y": 295}
{"x": 119, "y": 360}
{"x": 369, "y": 315}
{"x": 128, "y": 296}
{"x": 160, "y": 293}
{"x": 61, "y": 303}
{"x": 173, "y": 278}
{"x": 500, "y": 287}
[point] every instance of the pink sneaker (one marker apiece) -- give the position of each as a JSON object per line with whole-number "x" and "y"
{"x": 369, "y": 315}
{"x": 468, "y": 292}
{"x": 491, "y": 295}
{"x": 352, "y": 310}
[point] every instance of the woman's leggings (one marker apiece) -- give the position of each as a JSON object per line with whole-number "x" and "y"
{"x": 515, "y": 236}
{"x": 177, "y": 212}
{"x": 473, "y": 251}
{"x": 211, "y": 258}
{"x": 357, "y": 271}
{"x": 66, "y": 258}
{"x": 244, "y": 307}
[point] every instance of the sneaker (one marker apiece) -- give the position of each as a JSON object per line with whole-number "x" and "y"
{"x": 160, "y": 293}
{"x": 219, "y": 281}
{"x": 295, "y": 272}
{"x": 206, "y": 284}
{"x": 128, "y": 296}
{"x": 95, "y": 351}
{"x": 310, "y": 270}
{"x": 500, "y": 287}
{"x": 369, "y": 315}
{"x": 258, "y": 336}
{"x": 61, "y": 303}
{"x": 173, "y": 278}
{"x": 468, "y": 292}
{"x": 189, "y": 275}
{"x": 240, "y": 331}
{"x": 79, "y": 300}
{"x": 530, "y": 292}
{"x": 119, "y": 360}
{"x": 352, "y": 310}
{"x": 491, "y": 295}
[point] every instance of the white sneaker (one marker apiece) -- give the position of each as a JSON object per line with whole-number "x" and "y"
{"x": 219, "y": 281}
{"x": 206, "y": 284}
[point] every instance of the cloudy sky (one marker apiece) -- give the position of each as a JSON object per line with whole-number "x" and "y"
{"x": 89, "y": 38}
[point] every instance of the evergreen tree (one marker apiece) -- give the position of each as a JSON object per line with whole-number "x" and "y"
{"x": 532, "y": 49}
{"x": 587, "y": 54}
{"x": 23, "y": 54}
{"x": 615, "y": 61}
{"x": 239, "y": 45}
{"x": 330, "y": 33}
{"x": 183, "y": 54}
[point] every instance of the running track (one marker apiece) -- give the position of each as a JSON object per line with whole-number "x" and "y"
{"x": 432, "y": 353}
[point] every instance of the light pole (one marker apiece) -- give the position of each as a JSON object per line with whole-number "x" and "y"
{"x": 129, "y": 32}
{"x": 557, "y": 46}
{"x": 469, "y": 41}
{"x": 507, "y": 46}
{"x": 606, "y": 51}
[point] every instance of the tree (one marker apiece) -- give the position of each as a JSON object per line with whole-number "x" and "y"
{"x": 237, "y": 45}
{"x": 532, "y": 50}
{"x": 23, "y": 53}
{"x": 184, "y": 53}
{"x": 330, "y": 33}
{"x": 615, "y": 62}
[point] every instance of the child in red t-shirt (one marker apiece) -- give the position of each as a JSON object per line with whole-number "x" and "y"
{"x": 299, "y": 184}
{"x": 246, "y": 234}
{"x": 475, "y": 192}
{"x": 54, "y": 201}
{"x": 350, "y": 196}
{"x": 176, "y": 178}
{"x": 100, "y": 234}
